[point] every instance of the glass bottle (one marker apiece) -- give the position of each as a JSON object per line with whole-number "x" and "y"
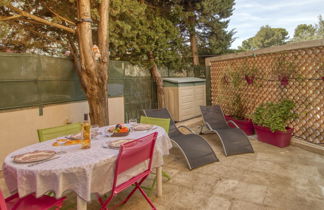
{"x": 86, "y": 143}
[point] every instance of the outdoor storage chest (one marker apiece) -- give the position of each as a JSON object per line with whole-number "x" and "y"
{"x": 183, "y": 96}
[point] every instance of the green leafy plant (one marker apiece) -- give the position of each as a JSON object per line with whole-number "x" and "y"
{"x": 225, "y": 79}
{"x": 237, "y": 107}
{"x": 249, "y": 71}
{"x": 274, "y": 115}
{"x": 236, "y": 78}
{"x": 284, "y": 66}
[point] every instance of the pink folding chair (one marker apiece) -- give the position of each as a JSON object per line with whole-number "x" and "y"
{"x": 45, "y": 202}
{"x": 131, "y": 154}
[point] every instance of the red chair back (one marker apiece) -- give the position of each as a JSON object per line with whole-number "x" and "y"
{"x": 3, "y": 205}
{"x": 133, "y": 153}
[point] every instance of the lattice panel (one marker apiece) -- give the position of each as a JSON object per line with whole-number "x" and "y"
{"x": 305, "y": 87}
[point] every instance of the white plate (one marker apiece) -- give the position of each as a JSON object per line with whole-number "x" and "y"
{"x": 143, "y": 127}
{"x": 115, "y": 144}
{"x": 35, "y": 156}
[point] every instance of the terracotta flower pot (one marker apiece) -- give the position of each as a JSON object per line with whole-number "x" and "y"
{"x": 245, "y": 125}
{"x": 283, "y": 81}
{"x": 277, "y": 138}
{"x": 249, "y": 79}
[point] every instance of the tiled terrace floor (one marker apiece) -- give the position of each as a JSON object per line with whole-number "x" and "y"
{"x": 271, "y": 178}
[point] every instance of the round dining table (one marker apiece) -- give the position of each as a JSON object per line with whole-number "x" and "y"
{"x": 83, "y": 171}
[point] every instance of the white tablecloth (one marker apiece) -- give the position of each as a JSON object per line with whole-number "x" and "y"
{"x": 83, "y": 171}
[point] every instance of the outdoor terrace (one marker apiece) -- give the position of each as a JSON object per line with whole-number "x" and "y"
{"x": 270, "y": 178}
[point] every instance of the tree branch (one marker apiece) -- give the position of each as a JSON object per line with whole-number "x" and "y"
{"x": 41, "y": 20}
{"x": 3, "y": 18}
{"x": 61, "y": 17}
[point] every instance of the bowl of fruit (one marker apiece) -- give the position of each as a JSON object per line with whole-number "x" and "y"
{"x": 118, "y": 130}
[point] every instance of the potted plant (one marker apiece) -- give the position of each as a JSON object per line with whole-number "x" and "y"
{"x": 270, "y": 122}
{"x": 238, "y": 116}
{"x": 236, "y": 79}
{"x": 284, "y": 68}
{"x": 249, "y": 72}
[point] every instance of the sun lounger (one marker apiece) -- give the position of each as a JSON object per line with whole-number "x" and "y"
{"x": 234, "y": 140}
{"x": 194, "y": 147}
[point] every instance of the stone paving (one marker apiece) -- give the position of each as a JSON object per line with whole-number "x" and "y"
{"x": 271, "y": 178}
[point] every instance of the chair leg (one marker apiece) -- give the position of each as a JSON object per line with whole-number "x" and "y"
{"x": 99, "y": 199}
{"x": 145, "y": 196}
{"x": 132, "y": 192}
{"x": 105, "y": 204}
{"x": 128, "y": 196}
{"x": 166, "y": 175}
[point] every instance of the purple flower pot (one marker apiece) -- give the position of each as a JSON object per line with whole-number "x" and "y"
{"x": 277, "y": 138}
{"x": 245, "y": 125}
{"x": 283, "y": 81}
{"x": 249, "y": 79}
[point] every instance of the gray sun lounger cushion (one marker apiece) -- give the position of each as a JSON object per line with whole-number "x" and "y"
{"x": 234, "y": 140}
{"x": 196, "y": 149}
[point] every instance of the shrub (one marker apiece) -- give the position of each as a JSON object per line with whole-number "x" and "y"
{"x": 274, "y": 115}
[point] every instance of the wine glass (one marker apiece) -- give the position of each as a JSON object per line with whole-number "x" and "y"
{"x": 132, "y": 122}
{"x": 94, "y": 131}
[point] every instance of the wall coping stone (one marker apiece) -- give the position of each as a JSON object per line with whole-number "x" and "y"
{"x": 273, "y": 49}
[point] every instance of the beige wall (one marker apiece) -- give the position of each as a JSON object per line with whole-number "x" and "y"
{"x": 18, "y": 128}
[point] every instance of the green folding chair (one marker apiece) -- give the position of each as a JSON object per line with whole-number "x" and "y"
{"x": 54, "y": 132}
{"x": 164, "y": 123}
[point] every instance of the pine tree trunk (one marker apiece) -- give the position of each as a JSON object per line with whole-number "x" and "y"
{"x": 193, "y": 41}
{"x": 156, "y": 76}
{"x": 94, "y": 75}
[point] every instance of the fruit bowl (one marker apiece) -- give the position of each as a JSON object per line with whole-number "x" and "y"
{"x": 119, "y": 131}
{"x": 120, "y": 134}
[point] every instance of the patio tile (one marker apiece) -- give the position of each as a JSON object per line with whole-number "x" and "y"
{"x": 241, "y": 190}
{"x": 194, "y": 199}
{"x": 271, "y": 178}
{"x": 285, "y": 198}
{"x": 239, "y": 205}
{"x": 195, "y": 181}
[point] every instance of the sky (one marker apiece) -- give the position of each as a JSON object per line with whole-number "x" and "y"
{"x": 250, "y": 15}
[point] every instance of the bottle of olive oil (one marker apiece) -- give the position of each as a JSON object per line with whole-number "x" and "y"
{"x": 86, "y": 133}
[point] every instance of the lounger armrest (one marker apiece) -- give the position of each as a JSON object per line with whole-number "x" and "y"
{"x": 183, "y": 126}
{"x": 231, "y": 121}
{"x": 208, "y": 126}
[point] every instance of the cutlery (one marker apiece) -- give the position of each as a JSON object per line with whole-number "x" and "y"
{"x": 43, "y": 161}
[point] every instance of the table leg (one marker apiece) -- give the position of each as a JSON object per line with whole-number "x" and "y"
{"x": 159, "y": 181}
{"x": 81, "y": 204}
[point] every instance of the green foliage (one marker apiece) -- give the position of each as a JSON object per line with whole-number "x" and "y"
{"x": 211, "y": 24}
{"x": 284, "y": 66}
{"x": 206, "y": 19}
{"x": 30, "y": 37}
{"x": 236, "y": 79}
{"x": 305, "y": 32}
{"x": 265, "y": 37}
{"x": 249, "y": 70}
{"x": 137, "y": 29}
{"x": 237, "y": 107}
{"x": 274, "y": 115}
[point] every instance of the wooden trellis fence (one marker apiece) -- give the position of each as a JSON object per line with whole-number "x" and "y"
{"x": 305, "y": 87}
